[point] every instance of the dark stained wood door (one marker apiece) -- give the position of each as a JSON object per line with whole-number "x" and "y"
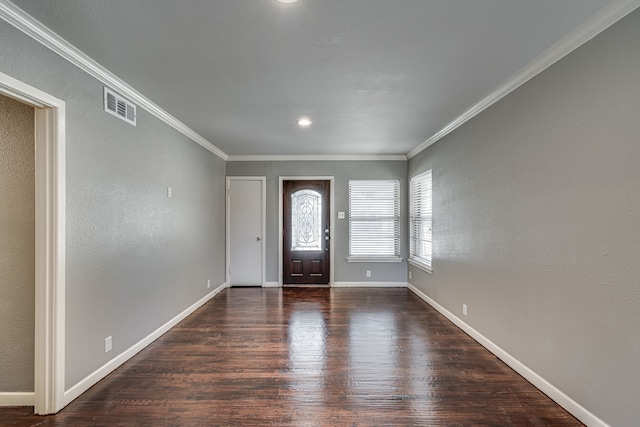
{"x": 306, "y": 228}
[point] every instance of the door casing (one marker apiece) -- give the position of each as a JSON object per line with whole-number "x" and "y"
{"x": 50, "y": 235}
{"x": 281, "y": 222}
{"x": 263, "y": 181}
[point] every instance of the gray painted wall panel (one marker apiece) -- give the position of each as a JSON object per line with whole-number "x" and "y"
{"x": 537, "y": 226}
{"x": 343, "y": 171}
{"x": 17, "y": 246}
{"x": 135, "y": 258}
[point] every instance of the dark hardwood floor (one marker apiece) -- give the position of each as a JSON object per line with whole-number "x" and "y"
{"x": 310, "y": 357}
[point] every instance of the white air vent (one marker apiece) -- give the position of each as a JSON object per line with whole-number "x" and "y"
{"x": 119, "y": 107}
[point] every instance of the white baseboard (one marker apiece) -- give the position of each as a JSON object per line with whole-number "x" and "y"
{"x": 114, "y": 363}
{"x": 539, "y": 382}
{"x": 17, "y": 399}
{"x": 271, "y": 285}
{"x": 369, "y": 284}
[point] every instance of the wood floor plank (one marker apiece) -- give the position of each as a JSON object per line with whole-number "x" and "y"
{"x": 310, "y": 357}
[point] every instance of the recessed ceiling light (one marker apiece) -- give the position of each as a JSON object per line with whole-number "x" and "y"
{"x": 287, "y": 1}
{"x": 304, "y": 122}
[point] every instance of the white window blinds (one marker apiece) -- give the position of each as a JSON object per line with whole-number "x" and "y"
{"x": 421, "y": 218}
{"x": 374, "y": 219}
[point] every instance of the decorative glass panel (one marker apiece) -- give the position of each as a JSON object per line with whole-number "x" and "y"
{"x": 306, "y": 221}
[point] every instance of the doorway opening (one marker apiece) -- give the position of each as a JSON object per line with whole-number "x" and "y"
{"x": 17, "y": 247}
{"x": 49, "y": 394}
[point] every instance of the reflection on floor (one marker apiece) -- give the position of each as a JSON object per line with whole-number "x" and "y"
{"x": 310, "y": 357}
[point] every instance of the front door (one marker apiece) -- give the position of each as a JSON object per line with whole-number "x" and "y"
{"x": 306, "y": 232}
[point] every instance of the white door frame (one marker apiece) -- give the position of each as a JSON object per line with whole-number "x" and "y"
{"x": 50, "y": 234}
{"x": 331, "y": 217}
{"x": 263, "y": 226}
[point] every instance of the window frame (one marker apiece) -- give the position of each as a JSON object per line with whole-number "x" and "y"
{"x": 422, "y": 182}
{"x": 396, "y": 218}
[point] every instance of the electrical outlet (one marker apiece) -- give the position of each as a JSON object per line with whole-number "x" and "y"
{"x": 208, "y": 283}
{"x": 464, "y": 309}
{"x": 169, "y": 192}
{"x": 108, "y": 344}
{"x": 409, "y": 274}
{"x": 368, "y": 273}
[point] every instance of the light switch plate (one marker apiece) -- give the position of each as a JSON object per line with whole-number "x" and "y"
{"x": 340, "y": 215}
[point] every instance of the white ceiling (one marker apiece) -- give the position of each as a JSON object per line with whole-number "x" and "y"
{"x": 375, "y": 76}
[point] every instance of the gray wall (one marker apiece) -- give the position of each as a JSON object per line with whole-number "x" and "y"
{"x": 135, "y": 258}
{"x": 343, "y": 171}
{"x": 17, "y": 246}
{"x": 537, "y": 226}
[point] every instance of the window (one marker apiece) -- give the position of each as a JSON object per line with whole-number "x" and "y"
{"x": 374, "y": 220}
{"x": 420, "y": 218}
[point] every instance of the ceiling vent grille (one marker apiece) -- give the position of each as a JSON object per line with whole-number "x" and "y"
{"x": 119, "y": 107}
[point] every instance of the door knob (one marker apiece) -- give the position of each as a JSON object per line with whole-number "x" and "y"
{"x": 257, "y": 239}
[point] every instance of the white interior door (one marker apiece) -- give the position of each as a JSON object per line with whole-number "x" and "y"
{"x": 245, "y": 235}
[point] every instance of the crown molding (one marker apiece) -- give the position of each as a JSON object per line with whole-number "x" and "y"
{"x": 45, "y": 36}
{"x": 594, "y": 26}
{"x": 314, "y": 157}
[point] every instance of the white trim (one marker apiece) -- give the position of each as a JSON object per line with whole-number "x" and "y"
{"x": 332, "y": 223}
{"x": 263, "y": 225}
{"x": 50, "y": 259}
{"x": 608, "y": 16}
{"x": 45, "y": 36}
{"x": 50, "y": 232}
{"x": 422, "y": 266}
{"x": 420, "y": 190}
{"x": 314, "y": 157}
{"x": 84, "y": 385}
{"x": 370, "y": 285}
{"x": 543, "y": 385}
{"x": 374, "y": 259}
{"x": 271, "y": 285}
{"x": 16, "y": 89}
{"x": 17, "y": 399}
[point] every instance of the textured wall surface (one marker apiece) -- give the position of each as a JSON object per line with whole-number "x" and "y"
{"x": 17, "y": 246}
{"x": 537, "y": 224}
{"x": 343, "y": 171}
{"x": 135, "y": 258}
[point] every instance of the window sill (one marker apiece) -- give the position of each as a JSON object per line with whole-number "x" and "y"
{"x": 422, "y": 266}
{"x": 374, "y": 259}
